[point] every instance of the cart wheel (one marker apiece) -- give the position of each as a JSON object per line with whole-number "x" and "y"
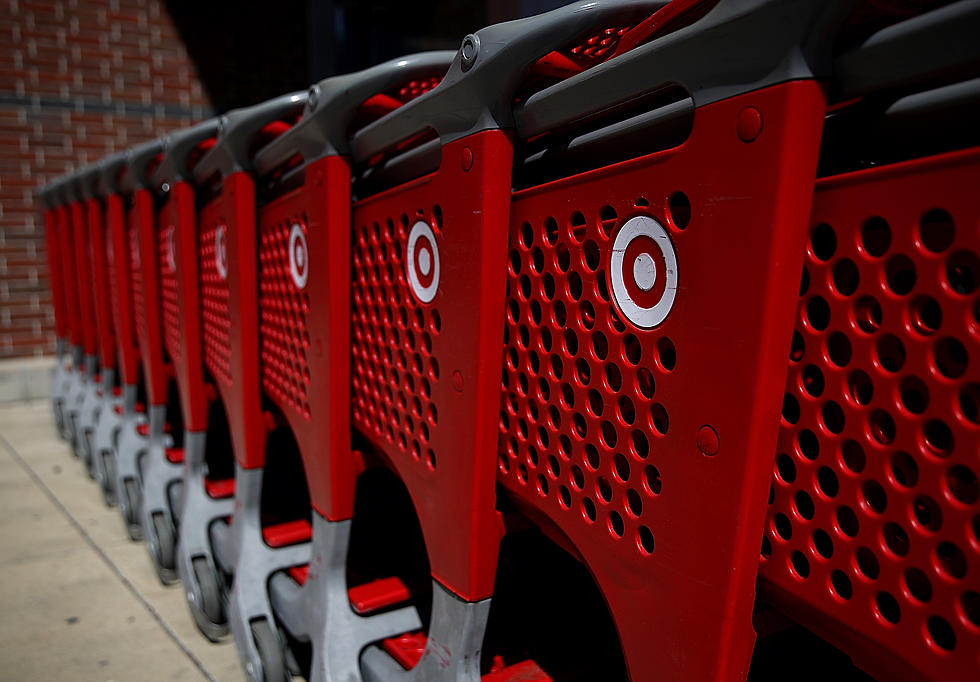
{"x": 131, "y": 510}
{"x": 87, "y": 450}
{"x": 209, "y": 615}
{"x": 109, "y": 473}
{"x": 270, "y": 654}
{"x": 164, "y": 554}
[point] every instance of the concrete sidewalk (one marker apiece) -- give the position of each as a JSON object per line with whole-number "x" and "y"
{"x": 78, "y": 600}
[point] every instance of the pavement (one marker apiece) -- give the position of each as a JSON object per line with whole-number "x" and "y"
{"x": 78, "y": 600}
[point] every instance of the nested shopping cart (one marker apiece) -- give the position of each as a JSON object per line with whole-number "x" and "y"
{"x": 873, "y": 535}
{"x": 170, "y": 339}
{"x": 220, "y": 371}
{"x": 54, "y": 239}
{"x": 136, "y": 202}
{"x": 304, "y": 331}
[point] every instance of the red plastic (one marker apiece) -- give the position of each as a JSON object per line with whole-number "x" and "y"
{"x": 146, "y": 296}
{"x": 118, "y": 258}
{"x": 425, "y": 376}
{"x": 873, "y": 535}
{"x": 378, "y": 594}
{"x": 175, "y": 455}
{"x": 406, "y": 649}
{"x": 288, "y": 533}
{"x": 97, "y": 233}
{"x": 83, "y": 275}
{"x": 600, "y": 421}
{"x": 219, "y": 489}
{"x": 299, "y": 573}
{"x": 66, "y": 245}
{"x": 55, "y": 273}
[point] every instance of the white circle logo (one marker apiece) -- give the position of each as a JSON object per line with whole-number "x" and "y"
{"x": 643, "y": 270}
{"x": 171, "y": 249}
{"x": 422, "y": 262}
{"x": 299, "y": 257}
{"x": 221, "y": 251}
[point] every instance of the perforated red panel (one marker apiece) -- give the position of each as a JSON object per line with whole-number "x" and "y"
{"x": 55, "y": 274}
{"x": 645, "y": 446}
{"x": 169, "y": 298}
{"x": 874, "y": 522}
{"x": 215, "y": 313}
{"x": 66, "y": 244}
{"x": 97, "y": 232}
{"x": 83, "y": 274}
{"x": 119, "y": 256}
{"x": 283, "y": 307}
{"x": 415, "y": 88}
{"x": 144, "y": 253}
{"x": 426, "y": 355}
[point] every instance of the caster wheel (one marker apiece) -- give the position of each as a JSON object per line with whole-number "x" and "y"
{"x": 163, "y": 547}
{"x": 131, "y": 509}
{"x": 88, "y": 454}
{"x": 109, "y": 473}
{"x": 270, "y": 654}
{"x": 209, "y": 614}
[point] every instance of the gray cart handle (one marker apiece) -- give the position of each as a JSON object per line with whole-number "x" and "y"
{"x": 177, "y": 150}
{"x": 138, "y": 162}
{"x": 478, "y": 91}
{"x": 111, "y": 170}
{"x": 333, "y": 102}
{"x": 236, "y": 133}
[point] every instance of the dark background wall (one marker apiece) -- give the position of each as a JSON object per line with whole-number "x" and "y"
{"x": 80, "y": 79}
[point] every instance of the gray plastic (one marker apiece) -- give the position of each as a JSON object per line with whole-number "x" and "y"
{"x": 60, "y": 190}
{"x": 110, "y": 175}
{"x": 737, "y": 47}
{"x": 452, "y": 649}
{"x": 942, "y": 44}
{"x": 332, "y": 103}
{"x": 88, "y": 417}
{"x": 237, "y": 131}
{"x": 158, "y": 475}
{"x": 87, "y": 181}
{"x": 177, "y": 149}
{"x": 64, "y": 376}
{"x": 138, "y": 162}
{"x": 106, "y": 433}
{"x": 130, "y": 448}
{"x": 75, "y": 402}
{"x": 320, "y": 610}
{"x": 478, "y": 91}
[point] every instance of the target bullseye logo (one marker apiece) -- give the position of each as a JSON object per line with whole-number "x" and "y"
{"x": 643, "y": 272}
{"x": 299, "y": 256}
{"x": 221, "y": 251}
{"x": 422, "y": 262}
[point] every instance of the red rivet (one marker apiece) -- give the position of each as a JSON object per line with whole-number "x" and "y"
{"x": 458, "y": 381}
{"x": 708, "y": 441}
{"x": 467, "y": 161}
{"x": 749, "y": 124}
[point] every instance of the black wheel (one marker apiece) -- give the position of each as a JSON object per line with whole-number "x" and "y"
{"x": 270, "y": 654}
{"x": 209, "y": 614}
{"x": 165, "y": 547}
{"x": 109, "y": 477}
{"x": 87, "y": 452}
{"x": 131, "y": 510}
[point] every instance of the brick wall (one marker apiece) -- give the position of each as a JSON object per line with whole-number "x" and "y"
{"x": 79, "y": 79}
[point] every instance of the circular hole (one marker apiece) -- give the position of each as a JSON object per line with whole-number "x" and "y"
{"x": 941, "y": 633}
{"x": 823, "y": 544}
{"x": 588, "y": 509}
{"x": 804, "y": 282}
{"x": 578, "y": 478}
{"x": 926, "y": 315}
{"x": 900, "y": 274}
{"x": 951, "y": 560}
{"x": 827, "y": 481}
{"x": 652, "y": 479}
{"x": 853, "y": 455}
{"x": 616, "y": 524}
{"x": 800, "y": 564}
{"x": 860, "y": 387}
{"x": 963, "y": 484}
{"x": 660, "y": 418}
{"x": 951, "y": 358}
{"x": 596, "y": 404}
{"x": 891, "y": 352}
{"x": 600, "y": 346}
{"x": 609, "y": 436}
{"x": 918, "y": 585}
{"x": 970, "y": 603}
{"x": 963, "y": 272}
{"x": 634, "y": 503}
{"x": 527, "y": 235}
{"x": 786, "y": 468}
{"x": 841, "y": 584}
{"x": 591, "y": 251}
{"x": 571, "y": 342}
{"x": 874, "y": 496}
{"x": 563, "y": 257}
{"x": 867, "y": 314}
{"x": 522, "y": 473}
{"x": 645, "y": 538}
{"x": 679, "y": 208}
{"x": 542, "y": 485}
{"x": 938, "y": 437}
{"x": 896, "y": 539}
{"x": 804, "y": 505}
{"x": 583, "y": 371}
{"x": 847, "y": 521}
{"x": 622, "y": 467}
{"x": 969, "y": 400}
{"x": 927, "y": 513}
{"x": 888, "y": 607}
{"x": 645, "y": 383}
{"x": 575, "y": 285}
{"x": 667, "y": 353}
{"x": 614, "y": 379}
{"x": 579, "y": 427}
{"x": 882, "y": 427}
{"x": 797, "y": 348}
{"x": 809, "y": 444}
{"x": 846, "y": 276}
{"x": 839, "y": 349}
{"x": 783, "y": 527}
{"x": 564, "y": 497}
{"x": 791, "y": 408}
{"x": 868, "y": 563}
{"x": 876, "y": 237}
{"x": 823, "y": 242}
{"x": 551, "y": 230}
{"x": 914, "y": 395}
{"x": 833, "y": 417}
{"x": 641, "y": 446}
{"x": 554, "y": 468}
{"x": 591, "y": 456}
{"x": 627, "y": 412}
{"x": 818, "y": 313}
{"x": 766, "y": 551}
{"x": 936, "y": 230}
{"x": 631, "y": 349}
{"x": 904, "y": 469}
{"x": 604, "y": 489}
{"x": 813, "y": 381}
